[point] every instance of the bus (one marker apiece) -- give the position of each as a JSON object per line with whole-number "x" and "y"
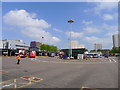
{"x": 22, "y": 53}
{"x": 32, "y": 54}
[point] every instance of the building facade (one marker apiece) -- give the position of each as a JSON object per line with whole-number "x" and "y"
{"x": 76, "y": 45}
{"x": 10, "y": 47}
{"x": 35, "y": 44}
{"x": 13, "y": 44}
{"x": 116, "y": 41}
{"x": 97, "y": 46}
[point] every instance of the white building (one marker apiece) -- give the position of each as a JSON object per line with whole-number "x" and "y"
{"x": 97, "y": 46}
{"x": 13, "y": 44}
{"x": 116, "y": 38}
{"x": 75, "y": 44}
{"x": 81, "y": 46}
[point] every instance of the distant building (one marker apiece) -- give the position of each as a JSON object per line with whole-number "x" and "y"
{"x": 75, "y": 45}
{"x": 97, "y": 46}
{"x": 116, "y": 38}
{"x": 35, "y": 44}
{"x": 81, "y": 46}
{"x": 10, "y": 47}
{"x": 75, "y": 52}
{"x": 13, "y": 44}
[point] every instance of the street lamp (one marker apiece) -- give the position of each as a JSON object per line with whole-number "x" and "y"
{"x": 70, "y": 50}
{"x": 42, "y": 39}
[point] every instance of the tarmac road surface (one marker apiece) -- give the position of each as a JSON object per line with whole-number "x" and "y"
{"x": 52, "y": 72}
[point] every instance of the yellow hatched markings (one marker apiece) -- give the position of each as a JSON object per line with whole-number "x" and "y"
{"x": 20, "y": 82}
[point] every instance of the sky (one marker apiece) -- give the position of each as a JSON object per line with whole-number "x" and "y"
{"x": 94, "y": 22}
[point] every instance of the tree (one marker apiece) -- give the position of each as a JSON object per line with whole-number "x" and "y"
{"x": 92, "y": 50}
{"x": 49, "y": 48}
{"x": 115, "y": 50}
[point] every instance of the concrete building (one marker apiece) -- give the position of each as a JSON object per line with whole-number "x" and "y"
{"x": 10, "y": 47}
{"x": 81, "y": 46}
{"x": 13, "y": 44}
{"x": 116, "y": 42}
{"x": 35, "y": 44}
{"x": 97, "y": 46}
{"x": 75, "y": 45}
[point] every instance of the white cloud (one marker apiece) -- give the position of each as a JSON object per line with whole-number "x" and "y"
{"x": 107, "y": 17}
{"x": 106, "y": 42}
{"x": 87, "y": 22}
{"x": 39, "y": 33}
{"x": 106, "y": 6}
{"x": 110, "y": 34}
{"x": 91, "y": 30}
{"x": 57, "y": 30}
{"x": 102, "y": 6}
{"x": 22, "y": 18}
{"x": 109, "y": 28}
{"x": 56, "y": 39}
{"x": 75, "y": 34}
{"x": 29, "y": 25}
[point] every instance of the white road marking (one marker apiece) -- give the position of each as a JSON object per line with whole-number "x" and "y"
{"x": 8, "y": 85}
{"x": 110, "y": 60}
{"x": 65, "y": 62}
{"x": 114, "y": 60}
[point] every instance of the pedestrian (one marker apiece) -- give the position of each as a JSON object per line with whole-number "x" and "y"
{"x": 63, "y": 55}
{"x": 18, "y": 58}
{"x": 60, "y": 55}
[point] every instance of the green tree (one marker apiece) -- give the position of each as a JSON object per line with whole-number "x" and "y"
{"x": 115, "y": 50}
{"x": 49, "y": 48}
{"x": 92, "y": 50}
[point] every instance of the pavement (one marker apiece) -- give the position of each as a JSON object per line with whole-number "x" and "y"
{"x": 52, "y": 72}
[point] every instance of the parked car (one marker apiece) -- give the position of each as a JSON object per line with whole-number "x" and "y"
{"x": 117, "y": 54}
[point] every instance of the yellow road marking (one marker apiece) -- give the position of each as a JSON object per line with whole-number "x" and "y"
{"x": 16, "y": 82}
{"x": 83, "y": 87}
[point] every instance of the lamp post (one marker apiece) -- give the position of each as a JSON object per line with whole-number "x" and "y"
{"x": 42, "y": 39}
{"x": 70, "y": 50}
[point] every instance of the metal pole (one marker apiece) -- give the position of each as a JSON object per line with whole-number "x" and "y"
{"x": 70, "y": 51}
{"x": 70, "y": 40}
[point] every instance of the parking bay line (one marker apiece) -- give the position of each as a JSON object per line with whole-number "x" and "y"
{"x": 114, "y": 60}
{"x": 76, "y": 62}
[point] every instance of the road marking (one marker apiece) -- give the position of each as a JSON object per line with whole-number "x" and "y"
{"x": 87, "y": 88}
{"x": 114, "y": 60}
{"x": 110, "y": 60}
{"x": 8, "y": 85}
{"x": 86, "y": 62}
{"x": 20, "y": 82}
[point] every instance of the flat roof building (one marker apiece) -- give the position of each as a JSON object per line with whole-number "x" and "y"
{"x": 116, "y": 38}
{"x": 75, "y": 45}
{"x": 35, "y": 44}
{"x": 97, "y": 46}
{"x": 13, "y": 44}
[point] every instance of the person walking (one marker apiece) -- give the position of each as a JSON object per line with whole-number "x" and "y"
{"x": 18, "y": 58}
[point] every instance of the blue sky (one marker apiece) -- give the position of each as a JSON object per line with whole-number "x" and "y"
{"x": 94, "y": 22}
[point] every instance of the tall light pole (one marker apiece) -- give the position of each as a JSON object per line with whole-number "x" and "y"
{"x": 70, "y": 50}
